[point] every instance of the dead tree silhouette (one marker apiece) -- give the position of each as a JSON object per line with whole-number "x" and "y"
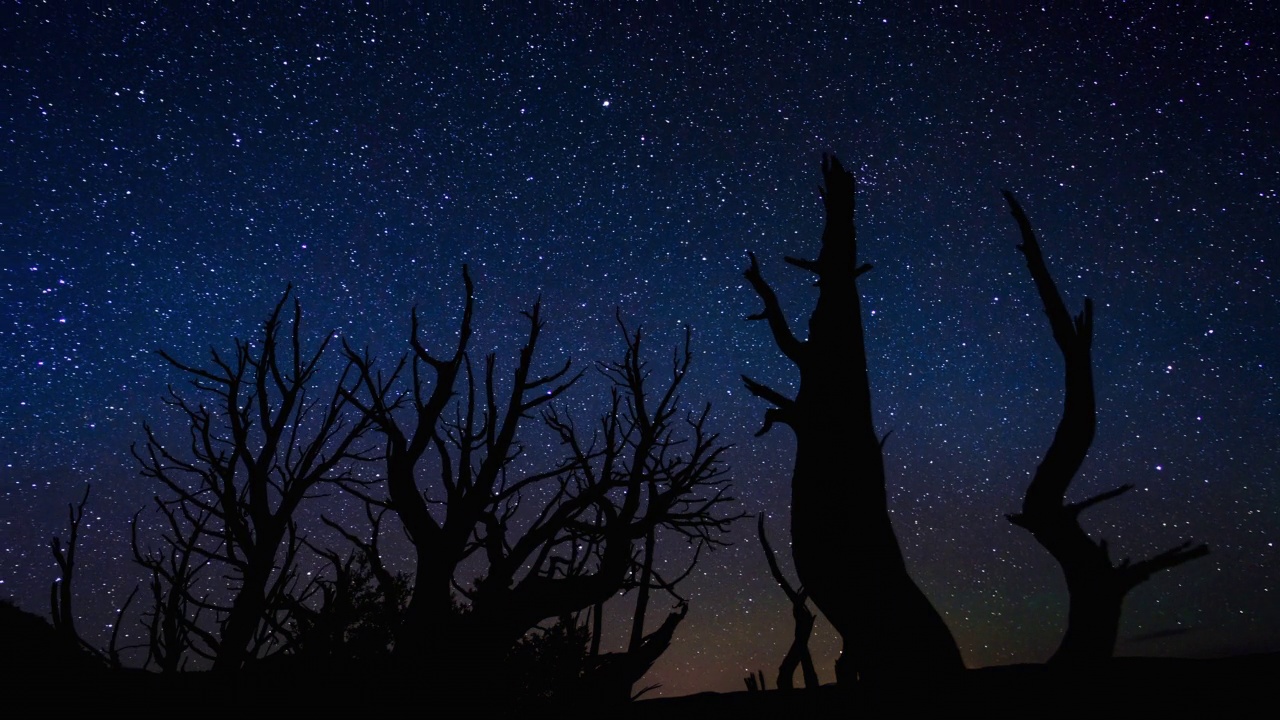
{"x": 611, "y": 677}
{"x": 1096, "y": 587}
{"x": 60, "y": 594}
{"x": 65, "y": 555}
{"x": 845, "y": 550}
{"x": 798, "y": 654}
{"x": 262, "y": 438}
{"x": 646, "y": 464}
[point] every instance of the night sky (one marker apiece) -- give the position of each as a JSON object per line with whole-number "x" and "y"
{"x": 166, "y": 173}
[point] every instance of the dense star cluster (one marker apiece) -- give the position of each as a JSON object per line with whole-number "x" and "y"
{"x": 167, "y": 170}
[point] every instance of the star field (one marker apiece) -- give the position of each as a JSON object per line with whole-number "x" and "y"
{"x": 167, "y": 172}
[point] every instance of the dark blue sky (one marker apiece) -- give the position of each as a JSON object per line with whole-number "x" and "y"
{"x": 166, "y": 172}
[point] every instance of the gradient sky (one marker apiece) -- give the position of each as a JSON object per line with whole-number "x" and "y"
{"x": 166, "y": 172}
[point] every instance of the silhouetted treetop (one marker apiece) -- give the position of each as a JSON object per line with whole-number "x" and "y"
{"x": 843, "y": 542}
{"x": 1096, "y": 586}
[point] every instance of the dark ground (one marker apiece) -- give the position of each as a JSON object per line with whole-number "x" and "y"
{"x": 1135, "y": 687}
{"x": 38, "y": 675}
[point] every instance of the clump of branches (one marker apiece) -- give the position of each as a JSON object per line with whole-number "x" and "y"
{"x": 264, "y": 436}
{"x": 552, "y": 539}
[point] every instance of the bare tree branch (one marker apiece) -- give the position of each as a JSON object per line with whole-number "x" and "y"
{"x": 782, "y": 335}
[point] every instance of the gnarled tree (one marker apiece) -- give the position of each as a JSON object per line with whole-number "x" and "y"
{"x": 261, "y": 438}
{"x": 846, "y": 553}
{"x": 1096, "y": 586}
{"x": 576, "y": 542}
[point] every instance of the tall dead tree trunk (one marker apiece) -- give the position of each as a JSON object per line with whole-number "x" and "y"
{"x": 1096, "y": 586}
{"x": 845, "y": 550}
